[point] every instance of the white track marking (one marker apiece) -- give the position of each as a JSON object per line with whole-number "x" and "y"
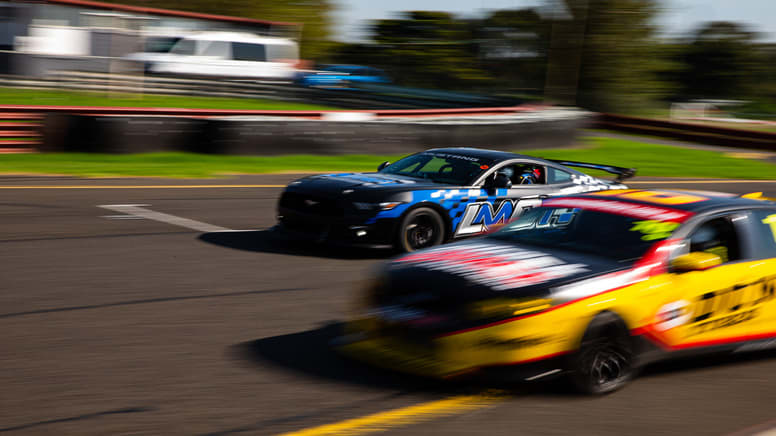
{"x": 122, "y": 217}
{"x": 138, "y": 211}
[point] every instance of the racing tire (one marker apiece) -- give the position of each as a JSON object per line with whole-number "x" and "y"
{"x": 604, "y": 362}
{"x": 421, "y": 228}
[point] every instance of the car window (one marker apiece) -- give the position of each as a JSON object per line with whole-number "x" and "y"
{"x": 216, "y": 49}
{"x": 764, "y": 222}
{"x": 184, "y": 47}
{"x": 717, "y": 236}
{"x": 620, "y": 238}
{"x": 282, "y": 52}
{"x": 160, "y": 44}
{"x": 524, "y": 173}
{"x": 242, "y": 51}
{"x": 555, "y": 175}
{"x": 440, "y": 167}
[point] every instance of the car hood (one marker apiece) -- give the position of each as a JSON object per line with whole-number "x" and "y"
{"x": 336, "y": 183}
{"x": 485, "y": 268}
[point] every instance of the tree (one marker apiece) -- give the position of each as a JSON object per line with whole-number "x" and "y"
{"x": 721, "y": 61}
{"x": 430, "y": 49}
{"x": 512, "y": 46}
{"x": 314, "y": 15}
{"x": 612, "y": 48}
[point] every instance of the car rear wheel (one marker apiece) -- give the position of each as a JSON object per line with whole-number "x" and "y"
{"x": 421, "y": 228}
{"x": 605, "y": 359}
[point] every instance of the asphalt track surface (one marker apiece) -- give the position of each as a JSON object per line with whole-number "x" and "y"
{"x": 113, "y": 323}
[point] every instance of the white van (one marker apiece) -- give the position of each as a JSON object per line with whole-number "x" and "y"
{"x": 231, "y": 54}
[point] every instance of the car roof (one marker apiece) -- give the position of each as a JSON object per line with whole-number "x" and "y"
{"x": 243, "y": 37}
{"x": 705, "y": 201}
{"x": 484, "y": 153}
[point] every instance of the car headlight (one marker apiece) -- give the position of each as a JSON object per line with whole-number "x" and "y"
{"x": 507, "y": 308}
{"x": 377, "y": 206}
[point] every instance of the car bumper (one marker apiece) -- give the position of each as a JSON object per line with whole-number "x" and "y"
{"x": 453, "y": 356}
{"x": 347, "y": 230}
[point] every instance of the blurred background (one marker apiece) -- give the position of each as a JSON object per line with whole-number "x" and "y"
{"x": 119, "y": 324}
{"x": 642, "y": 57}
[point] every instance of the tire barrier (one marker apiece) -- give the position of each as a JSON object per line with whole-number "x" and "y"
{"x": 394, "y": 132}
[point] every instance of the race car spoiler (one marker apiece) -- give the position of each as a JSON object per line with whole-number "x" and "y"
{"x": 622, "y": 173}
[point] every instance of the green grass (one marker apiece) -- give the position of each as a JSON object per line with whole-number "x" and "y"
{"x": 663, "y": 160}
{"x": 649, "y": 159}
{"x": 179, "y": 164}
{"x": 15, "y": 96}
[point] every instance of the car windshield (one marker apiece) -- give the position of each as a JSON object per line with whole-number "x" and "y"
{"x": 452, "y": 169}
{"x": 617, "y": 237}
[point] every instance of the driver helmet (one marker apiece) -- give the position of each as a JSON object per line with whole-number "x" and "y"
{"x": 527, "y": 178}
{"x": 507, "y": 171}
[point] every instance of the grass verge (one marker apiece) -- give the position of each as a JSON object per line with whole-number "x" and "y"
{"x": 649, "y": 159}
{"x": 68, "y": 98}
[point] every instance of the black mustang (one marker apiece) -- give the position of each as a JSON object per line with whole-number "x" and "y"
{"x": 431, "y": 197}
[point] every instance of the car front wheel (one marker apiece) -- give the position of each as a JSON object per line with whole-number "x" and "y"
{"x": 605, "y": 359}
{"x": 421, "y": 228}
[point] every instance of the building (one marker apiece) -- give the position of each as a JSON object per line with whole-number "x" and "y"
{"x": 37, "y": 37}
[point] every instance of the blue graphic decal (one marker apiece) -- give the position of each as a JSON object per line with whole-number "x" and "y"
{"x": 487, "y": 217}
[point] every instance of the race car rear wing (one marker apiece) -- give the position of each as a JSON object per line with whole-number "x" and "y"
{"x": 620, "y": 172}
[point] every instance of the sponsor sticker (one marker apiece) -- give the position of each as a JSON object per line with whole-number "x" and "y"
{"x": 479, "y": 217}
{"x": 499, "y": 267}
{"x": 455, "y": 156}
{"x": 645, "y": 212}
{"x": 672, "y": 315}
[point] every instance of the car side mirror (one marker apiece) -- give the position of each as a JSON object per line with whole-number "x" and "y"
{"x": 695, "y": 261}
{"x": 382, "y": 166}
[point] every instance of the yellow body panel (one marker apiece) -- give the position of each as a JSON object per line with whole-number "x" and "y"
{"x": 726, "y": 304}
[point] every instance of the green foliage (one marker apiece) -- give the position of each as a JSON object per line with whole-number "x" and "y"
{"x": 513, "y": 47}
{"x": 506, "y": 50}
{"x": 620, "y": 55}
{"x": 429, "y": 49}
{"x": 720, "y": 62}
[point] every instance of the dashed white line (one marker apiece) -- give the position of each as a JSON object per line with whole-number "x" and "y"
{"x": 137, "y": 210}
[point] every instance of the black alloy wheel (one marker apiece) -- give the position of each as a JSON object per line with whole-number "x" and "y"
{"x": 605, "y": 359}
{"x": 421, "y": 228}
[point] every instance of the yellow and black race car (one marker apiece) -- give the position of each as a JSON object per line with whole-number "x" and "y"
{"x": 591, "y": 286}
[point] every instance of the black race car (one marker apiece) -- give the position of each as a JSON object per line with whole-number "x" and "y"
{"x": 431, "y": 197}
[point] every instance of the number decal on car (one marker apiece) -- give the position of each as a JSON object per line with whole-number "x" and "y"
{"x": 771, "y": 221}
{"x": 657, "y": 197}
{"x": 654, "y": 229}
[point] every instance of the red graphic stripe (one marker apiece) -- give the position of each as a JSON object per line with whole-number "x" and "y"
{"x": 649, "y": 333}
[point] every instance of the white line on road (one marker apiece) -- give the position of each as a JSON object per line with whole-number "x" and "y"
{"x": 122, "y": 217}
{"x": 138, "y": 211}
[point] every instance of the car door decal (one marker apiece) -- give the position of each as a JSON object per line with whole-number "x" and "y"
{"x": 480, "y": 216}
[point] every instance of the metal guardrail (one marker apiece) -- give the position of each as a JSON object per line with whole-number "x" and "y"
{"x": 207, "y": 113}
{"x": 385, "y": 97}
